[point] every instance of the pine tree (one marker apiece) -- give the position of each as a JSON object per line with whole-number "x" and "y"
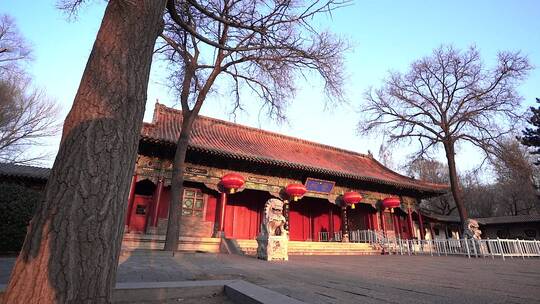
{"x": 531, "y": 136}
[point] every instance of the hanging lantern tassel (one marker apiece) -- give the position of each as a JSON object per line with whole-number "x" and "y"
{"x": 232, "y": 190}
{"x": 352, "y": 206}
{"x": 295, "y": 198}
{"x": 391, "y": 210}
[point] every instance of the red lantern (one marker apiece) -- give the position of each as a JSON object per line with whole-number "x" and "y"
{"x": 391, "y": 203}
{"x": 295, "y": 191}
{"x": 351, "y": 198}
{"x": 232, "y": 181}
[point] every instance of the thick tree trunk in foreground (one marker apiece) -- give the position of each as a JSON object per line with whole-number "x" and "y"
{"x": 71, "y": 250}
{"x": 454, "y": 183}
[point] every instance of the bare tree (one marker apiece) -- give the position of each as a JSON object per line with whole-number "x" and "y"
{"x": 71, "y": 251}
{"x": 26, "y": 117}
{"x": 14, "y": 50}
{"x": 517, "y": 179}
{"x": 435, "y": 172}
{"x": 447, "y": 98}
{"x": 260, "y": 46}
{"x": 481, "y": 198}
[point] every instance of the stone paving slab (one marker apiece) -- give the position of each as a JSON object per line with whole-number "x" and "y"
{"x": 349, "y": 279}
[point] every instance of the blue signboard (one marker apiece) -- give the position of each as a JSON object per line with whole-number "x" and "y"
{"x": 317, "y": 185}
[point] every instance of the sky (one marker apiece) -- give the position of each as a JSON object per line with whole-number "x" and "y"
{"x": 384, "y": 36}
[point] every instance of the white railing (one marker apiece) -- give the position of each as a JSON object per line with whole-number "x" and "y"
{"x": 355, "y": 236}
{"x": 465, "y": 247}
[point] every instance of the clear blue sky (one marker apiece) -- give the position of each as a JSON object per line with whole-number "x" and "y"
{"x": 386, "y": 35}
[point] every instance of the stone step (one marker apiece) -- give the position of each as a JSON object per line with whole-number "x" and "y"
{"x": 249, "y": 247}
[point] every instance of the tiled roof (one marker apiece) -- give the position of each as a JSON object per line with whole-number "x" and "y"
{"x": 509, "y": 219}
{"x": 24, "y": 171}
{"x": 241, "y": 142}
{"x": 443, "y": 218}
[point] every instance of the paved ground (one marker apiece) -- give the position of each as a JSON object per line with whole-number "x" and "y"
{"x": 350, "y": 279}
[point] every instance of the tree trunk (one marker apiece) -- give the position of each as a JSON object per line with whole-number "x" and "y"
{"x": 177, "y": 183}
{"x": 179, "y": 164}
{"x": 454, "y": 182}
{"x": 71, "y": 251}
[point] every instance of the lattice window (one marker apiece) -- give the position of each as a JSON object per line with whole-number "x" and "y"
{"x": 193, "y": 204}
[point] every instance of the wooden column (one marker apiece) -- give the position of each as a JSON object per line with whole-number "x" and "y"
{"x": 344, "y": 225}
{"x": 410, "y": 222}
{"x": 432, "y": 231}
{"x": 222, "y": 205}
{"x": 370, "y": 221}
{"x": 157, "y": 199}
{"x": 131, "y": 199}
{"x": 383, "y": 225}
{"x": 397, "y": 225}
{"x": 421, "y": 221}
{"x": 331, "y": 223}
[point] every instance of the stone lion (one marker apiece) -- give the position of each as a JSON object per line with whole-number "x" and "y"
{"x": 472, "y": 230}
{"x": 273, "y": 222}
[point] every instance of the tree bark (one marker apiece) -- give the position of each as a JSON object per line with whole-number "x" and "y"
{"x": 71, "y": 251}
{"x": 454, "y": 182}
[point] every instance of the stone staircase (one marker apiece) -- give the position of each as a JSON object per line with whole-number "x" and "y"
{"x": 249, "y": 247}
{"x": 145, "y": 242}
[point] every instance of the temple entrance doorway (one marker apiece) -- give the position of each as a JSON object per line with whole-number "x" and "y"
{"x": 140, "y": 210}
{"x": 310, "y": 216}
{"x": 243, "y": 213}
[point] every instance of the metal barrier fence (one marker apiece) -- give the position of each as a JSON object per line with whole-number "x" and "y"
{"x": 355, "y": 236}
{"x": 465, "y": 247}
{"x": 326, "y": 237}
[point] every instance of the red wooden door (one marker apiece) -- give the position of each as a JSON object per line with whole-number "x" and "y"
{"x": 243, "y": 214}
{"x": 139, "y": 213}
{"x": 299, "y": 221}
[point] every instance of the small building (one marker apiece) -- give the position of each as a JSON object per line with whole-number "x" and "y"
{"x": 268, "y": 162}
{"x": 524, "y": 227}
{"x": 28, "y": 176}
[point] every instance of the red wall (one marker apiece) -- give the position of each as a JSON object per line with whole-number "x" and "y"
{"x": 243, "y": 214}
{"x": 164, "y": 200}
